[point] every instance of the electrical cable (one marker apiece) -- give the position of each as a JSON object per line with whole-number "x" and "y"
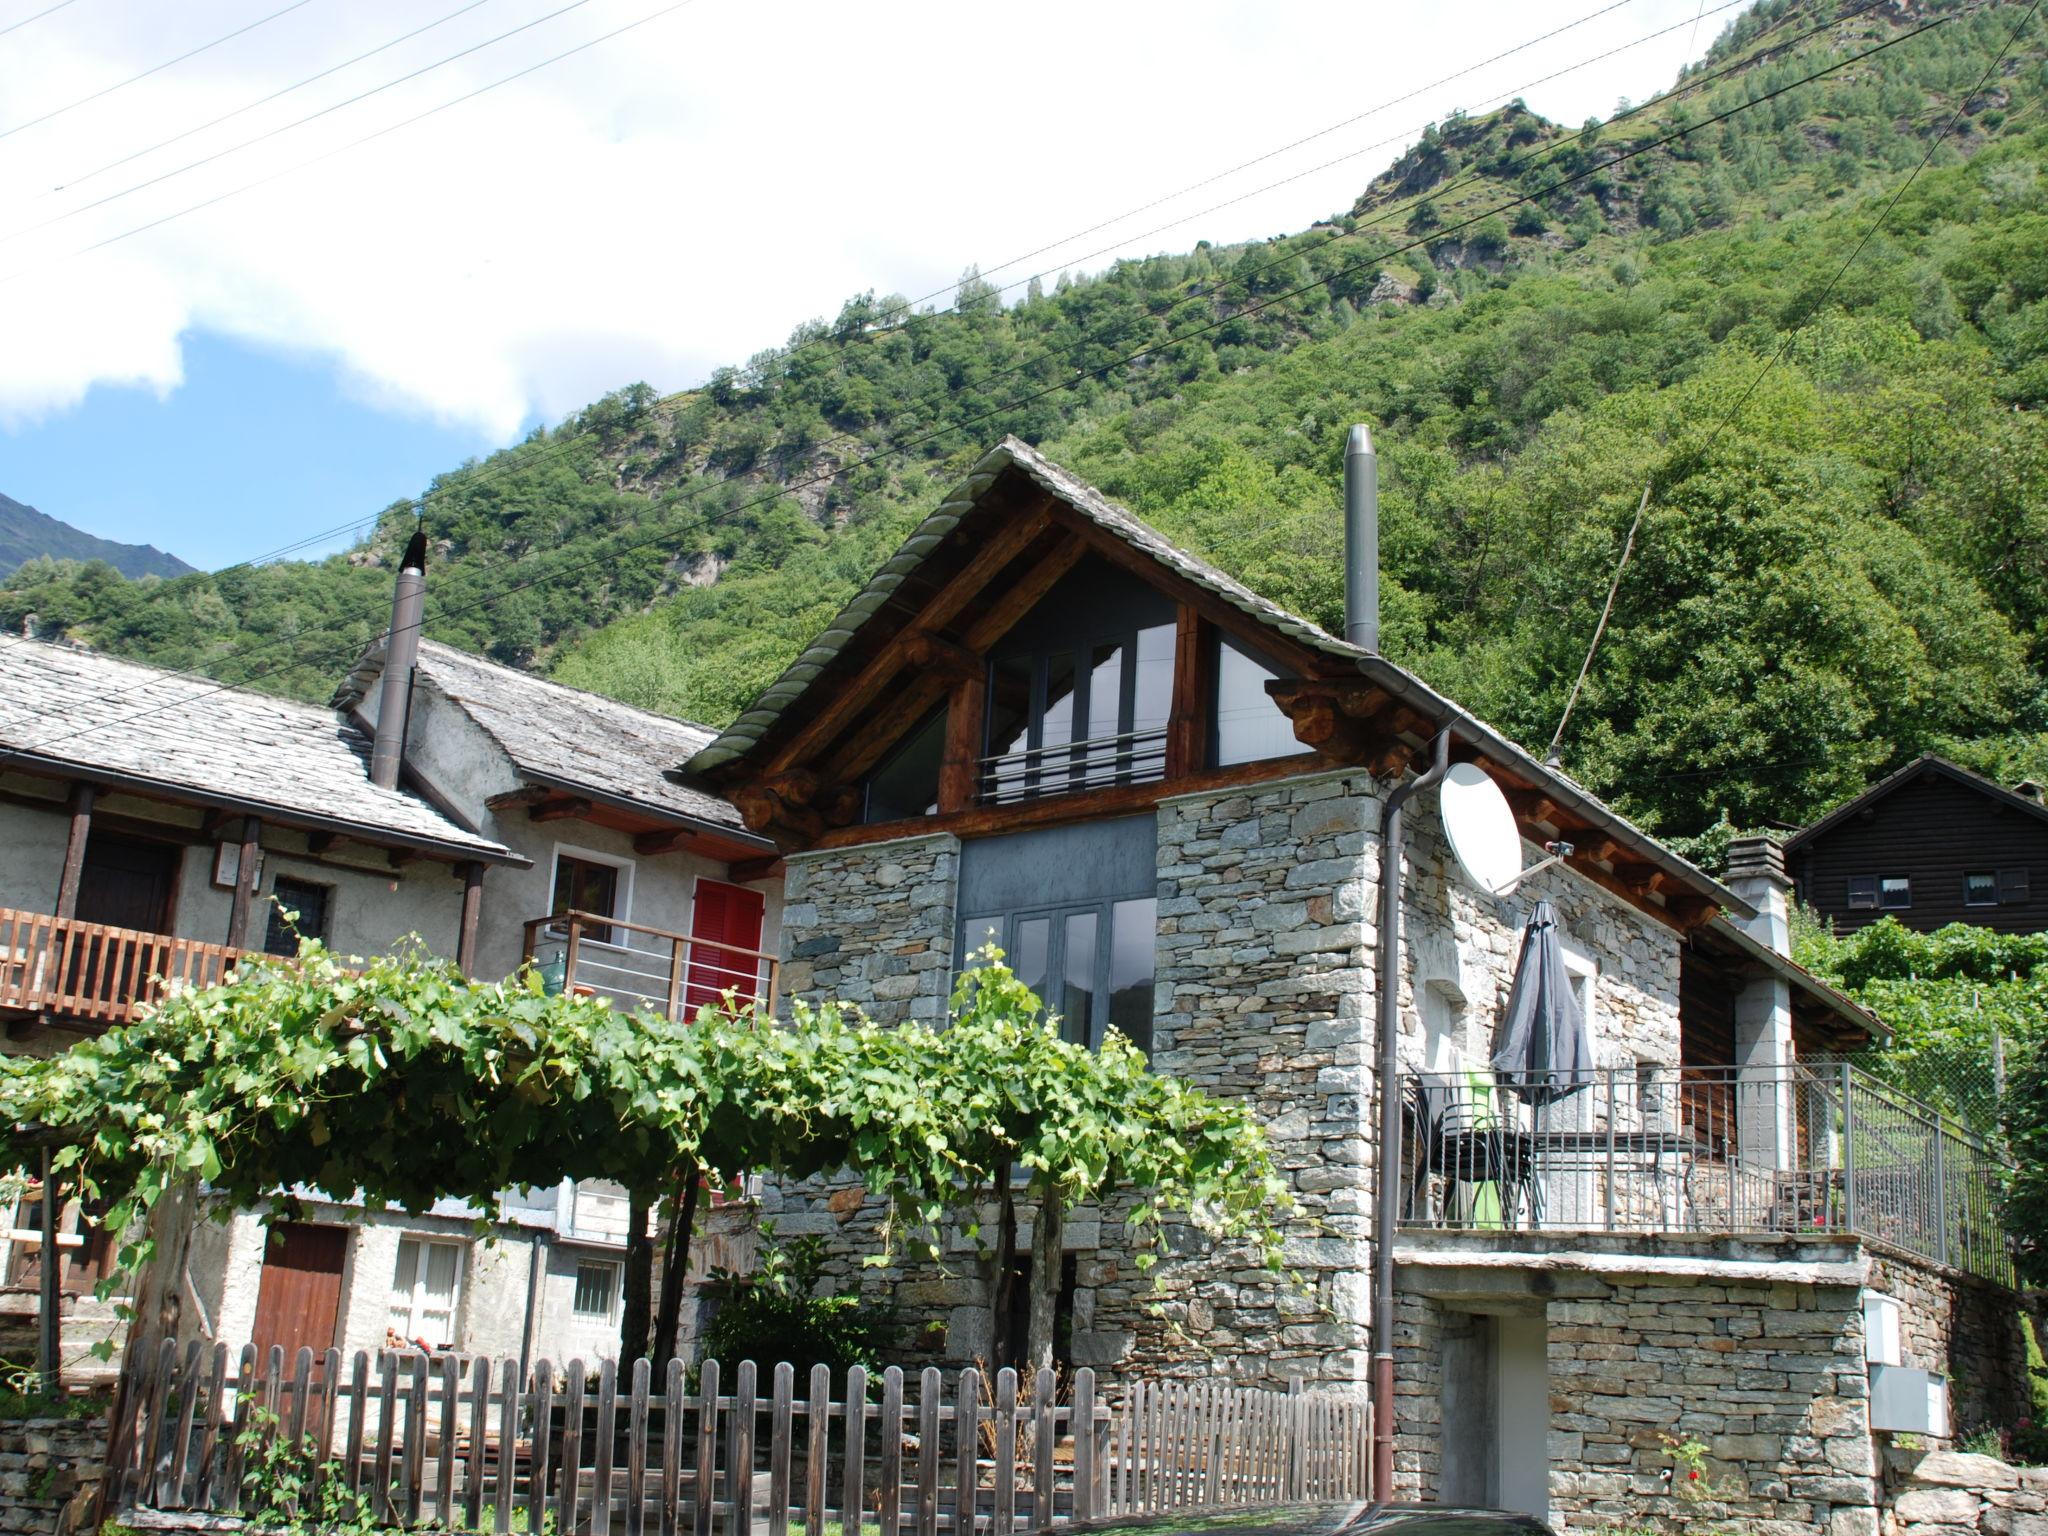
{"x": 1079, "y": 374}
{"x": 39, "y": 15}
{"x": 310, "y": 117}
{"x": 562, "y": 444}
{"x": 1791, "y": 333}
{"x": 71, "y": 183}
{"x": 154, "y": 69}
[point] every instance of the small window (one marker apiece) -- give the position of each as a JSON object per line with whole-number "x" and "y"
{"x": 308, "y": 901}
{"x": 1980, "y": 888}
{"x": 2012, "y": 887}
{"x": 425, "y": 1287}
{"x": 1895, "y": 893}
{"x": 597, "y": 1288}
{"x": 1862, "y": 892}
{"x": 584, "y": 885}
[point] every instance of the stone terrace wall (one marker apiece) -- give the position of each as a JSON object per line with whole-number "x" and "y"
{"x": 1944, "y": 1493}
{"x": 873, "y": 925}
{"x": 50, "y": 1472}
{"x": 1965, "y": 1328}
{"x": 1769, "y": 1377}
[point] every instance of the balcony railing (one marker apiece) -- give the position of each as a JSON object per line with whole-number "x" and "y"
{"x": 641, "y": 967}
{"x": 1719, "y": 1151}
{"x": 1130, "y": 757}
{"x": 93, "y": 973}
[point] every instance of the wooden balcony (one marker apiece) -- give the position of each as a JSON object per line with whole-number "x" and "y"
{"x": 90, "y": 973}
{"x": 639, "y": 967}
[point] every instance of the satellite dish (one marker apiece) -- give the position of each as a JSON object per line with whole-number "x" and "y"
{"x": 1481, "y": 829}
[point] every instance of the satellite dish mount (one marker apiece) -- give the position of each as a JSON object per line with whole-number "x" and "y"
{"x": 1481, "y": 830}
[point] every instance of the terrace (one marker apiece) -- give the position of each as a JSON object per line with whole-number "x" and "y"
{"x": 1808, "y": 1151}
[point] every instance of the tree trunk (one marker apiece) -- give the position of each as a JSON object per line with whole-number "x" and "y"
{"x": 635, "y": 1313}
{"x": 1046, "y": 1253}
{"x": 159, "y": 1296}
{"x": 1006, "y": 1281}
{"x": 675, "y": 1266}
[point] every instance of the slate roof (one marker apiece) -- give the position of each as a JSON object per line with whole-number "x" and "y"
{"x": 759, "y": 717}
{"x": 567, "y": 738}
{"x": 1926, "y": 763}
{"x": 1822, "y": 993}
{"x": 73, "y": 711}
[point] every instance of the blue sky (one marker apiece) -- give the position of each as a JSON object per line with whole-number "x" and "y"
{"x": 254, "y": 450}
{"x": 338, "y": 248}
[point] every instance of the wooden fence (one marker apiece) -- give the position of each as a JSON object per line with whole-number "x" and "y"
{"x": 471, "y": 1444}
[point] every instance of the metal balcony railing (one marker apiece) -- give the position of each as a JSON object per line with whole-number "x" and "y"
{"x": 93, "y": 973}
{"x": 641, "y": 967}
{"x": 1704, "y": 1150}
{"x": 1130, "y": 757}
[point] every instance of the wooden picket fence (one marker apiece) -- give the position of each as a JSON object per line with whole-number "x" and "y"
{"x": 465, "y": 1443}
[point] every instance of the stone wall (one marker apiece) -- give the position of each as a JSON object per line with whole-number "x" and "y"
{"x": 1944, "y": 1493}
{"x": 50, "y": 1474}
{"x": 873, "y": 925}
{"x": 1964, "y": 1328}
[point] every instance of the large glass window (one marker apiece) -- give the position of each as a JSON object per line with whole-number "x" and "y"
{"x": 1250, "y": 727}
{"x": 1079, "y": 717}
{"x": 1073, "y": 912}
{"x": 907, "y": 783}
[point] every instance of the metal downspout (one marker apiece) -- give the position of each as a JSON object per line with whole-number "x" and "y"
{"x": 536, "y": 1279}
{"x": 1387, "y": 1212}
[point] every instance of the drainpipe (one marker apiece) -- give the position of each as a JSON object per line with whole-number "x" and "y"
{"x": 1388, "y": 1213}
{"x": 536, "y": 1278}
{"x": 401, "y": 651}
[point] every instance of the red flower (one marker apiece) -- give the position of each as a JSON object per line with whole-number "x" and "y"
{"x": 1694, "y": 1476}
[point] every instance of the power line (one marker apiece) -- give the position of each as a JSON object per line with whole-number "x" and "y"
{"x": 1079, "y": 374}
{"x": 39, "y": 15}
{"x": 262, "y": 101}
{"x": 310, "y": 117}
{"x": 1628, "y": 547}
{"x": 562, "y": 444}
{"x": 154, "y": 69}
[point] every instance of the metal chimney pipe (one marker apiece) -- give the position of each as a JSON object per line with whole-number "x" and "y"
{"x": 1361, "y": 540}
{"x": 401, "y": 652}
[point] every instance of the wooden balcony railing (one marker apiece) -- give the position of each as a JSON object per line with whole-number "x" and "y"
{"x": 641, "y": 967}
{"x": 93, "y": 973}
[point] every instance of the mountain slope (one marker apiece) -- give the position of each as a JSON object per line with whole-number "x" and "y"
{"x": 1537, "y": 320}
{"x": 26, "y": 534}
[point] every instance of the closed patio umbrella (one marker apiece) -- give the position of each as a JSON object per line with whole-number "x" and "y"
{"x": 1544, "y": 1054}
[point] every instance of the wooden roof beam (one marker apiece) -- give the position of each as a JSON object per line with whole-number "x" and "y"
{"x": 560, "y": 808}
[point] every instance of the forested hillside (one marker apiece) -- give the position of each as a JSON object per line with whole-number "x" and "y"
{"x": 1838, "y": 570}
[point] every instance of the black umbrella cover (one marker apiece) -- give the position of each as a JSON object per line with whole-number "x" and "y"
{"x": 1544, "y": 1054}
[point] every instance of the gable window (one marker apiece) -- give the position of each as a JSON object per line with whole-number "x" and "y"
{"x": 1249, "y": 726}
{"x": 597, "y": 1289}
{"x": 425, "y": 1287}
{"x": 907, "y": 783}
{"x": 1073, "y": 910}
{"x": 309, "y": 900}
{"x": 1894, "y": 893}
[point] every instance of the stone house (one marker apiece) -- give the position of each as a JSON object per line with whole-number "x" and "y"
{"x": 169, "y": 846}
{"x": 1043, "y": 724}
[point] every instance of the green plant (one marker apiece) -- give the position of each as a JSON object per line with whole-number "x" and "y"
{"x": 773, "y": 1314}
{"x": 1984, "y": 1440}
{"x": 1690, "y": 1481}
{"x": 21, "y": 1397}
{"x": 289, "y": 1487}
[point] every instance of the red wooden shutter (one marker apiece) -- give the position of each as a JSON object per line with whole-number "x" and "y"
{"x": 721, "y": 916}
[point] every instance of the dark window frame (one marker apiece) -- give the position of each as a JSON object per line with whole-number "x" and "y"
{"x": 1990, "y": 877}
{"x": 1863, "y": 891}
{"x": 1884, "y": 893}
{"x": 280, "y": 940}
{"x": 1046, "y": 773}
{"x": 2014, "y": 889}
{"x": 1212, "y": 750}
{"x": 1057, "y": 916}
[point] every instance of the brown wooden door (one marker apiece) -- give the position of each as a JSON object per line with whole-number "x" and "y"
{"x": 128, "y": 882}
{"x": 299, "y": 1301}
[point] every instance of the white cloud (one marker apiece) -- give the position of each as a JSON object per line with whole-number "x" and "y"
{"x": 682, "y": 195}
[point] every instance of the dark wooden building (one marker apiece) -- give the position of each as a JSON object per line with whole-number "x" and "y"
{"x": 1931, "y": 845}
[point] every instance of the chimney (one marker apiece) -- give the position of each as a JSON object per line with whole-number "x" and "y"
{"x": 401, "y": 650}
{"x": 1361, "y": 541}
{"x": 1756, "y": 873}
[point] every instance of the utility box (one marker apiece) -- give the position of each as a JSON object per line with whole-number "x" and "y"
{"x": 1906, "y": 1400}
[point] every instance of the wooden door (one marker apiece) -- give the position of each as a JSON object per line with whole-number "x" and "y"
{"x": 299, "y": 1300}
{"x": 128, "y": 882}
{"x": 124, "y": 882}
{"x": 723, "y": 915}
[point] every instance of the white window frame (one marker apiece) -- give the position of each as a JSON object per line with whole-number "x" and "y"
{"x": 617, "y": 1269}
{"x": 419, "y": 1281}
{"x": 592, "y": 856}
{"x": 1584, "y": 972}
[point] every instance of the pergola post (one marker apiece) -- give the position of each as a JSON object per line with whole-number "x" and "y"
{"x": 245, "y": 882}
{"x": 472, "y": 872}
